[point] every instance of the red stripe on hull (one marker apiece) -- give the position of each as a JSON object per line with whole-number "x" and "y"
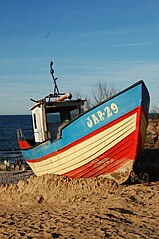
{"x": 109, "y": 161}
{"x": 115, "y": 158}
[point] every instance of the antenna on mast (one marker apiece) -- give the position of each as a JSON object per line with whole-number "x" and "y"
{"x": 56, "y": 90}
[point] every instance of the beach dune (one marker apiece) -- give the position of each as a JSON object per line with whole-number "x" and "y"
{"x": 52, "y": 206}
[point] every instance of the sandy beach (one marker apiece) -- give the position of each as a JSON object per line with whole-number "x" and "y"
{"x": 52, "y": 206}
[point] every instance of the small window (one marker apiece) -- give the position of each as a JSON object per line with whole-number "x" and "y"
{"x": 53, "y": 118}
{"x": 34, "y": 119}
{"x": 74, "y": 113}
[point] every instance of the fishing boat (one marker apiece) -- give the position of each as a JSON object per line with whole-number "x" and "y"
{"x": 104, "y": 141}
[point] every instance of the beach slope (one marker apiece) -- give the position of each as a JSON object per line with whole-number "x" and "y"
{"x": 52, "y": 206}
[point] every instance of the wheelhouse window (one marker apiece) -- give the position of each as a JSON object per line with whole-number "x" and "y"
{"x": 74, "y": 113}
{"x": 53, "y": 118}
{"x": 53, "y": 123}
{"x": 57, "y": 120}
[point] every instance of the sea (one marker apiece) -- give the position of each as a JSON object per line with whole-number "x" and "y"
{"x": 9, "y": 148}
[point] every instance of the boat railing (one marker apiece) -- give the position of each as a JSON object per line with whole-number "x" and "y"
{"x": 20, "y": 134}
{"x": 28, "y": 133}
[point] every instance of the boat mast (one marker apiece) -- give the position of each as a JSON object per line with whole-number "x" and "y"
{"x": 55, "y": 90}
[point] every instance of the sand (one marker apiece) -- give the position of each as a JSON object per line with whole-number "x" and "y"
{"x": 52, "y": 206}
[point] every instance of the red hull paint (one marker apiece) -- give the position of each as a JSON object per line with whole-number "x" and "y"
{"x": 108, "y": 162}
{"x": 23, "y": 144}
{"x": 126, "y": 150}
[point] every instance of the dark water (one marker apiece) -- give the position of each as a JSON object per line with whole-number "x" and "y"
{"x": 9, "y": 124}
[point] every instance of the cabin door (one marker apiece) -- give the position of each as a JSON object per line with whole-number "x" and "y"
{"x": 38, "y": 124}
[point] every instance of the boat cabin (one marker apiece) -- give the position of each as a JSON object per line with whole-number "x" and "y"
{"x": 50, "y": 115}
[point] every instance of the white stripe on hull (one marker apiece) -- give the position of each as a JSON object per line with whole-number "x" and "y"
{"x": 87, "y": 150}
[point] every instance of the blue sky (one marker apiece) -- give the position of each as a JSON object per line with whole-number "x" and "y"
{"x": 116, "y": 41}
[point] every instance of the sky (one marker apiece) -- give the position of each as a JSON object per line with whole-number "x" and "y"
{"x": 89, "y": 41}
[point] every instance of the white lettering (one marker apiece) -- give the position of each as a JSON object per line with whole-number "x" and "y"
{"x": 99, "y": 116}
{"x": 89, "y": 122}
{"x": 108, "y": 111}
{"x": 95, "y": 119}
{"x": 114, "y": 107}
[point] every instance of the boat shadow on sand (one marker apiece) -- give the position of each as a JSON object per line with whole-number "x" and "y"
{"x": 147, "y": 167}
